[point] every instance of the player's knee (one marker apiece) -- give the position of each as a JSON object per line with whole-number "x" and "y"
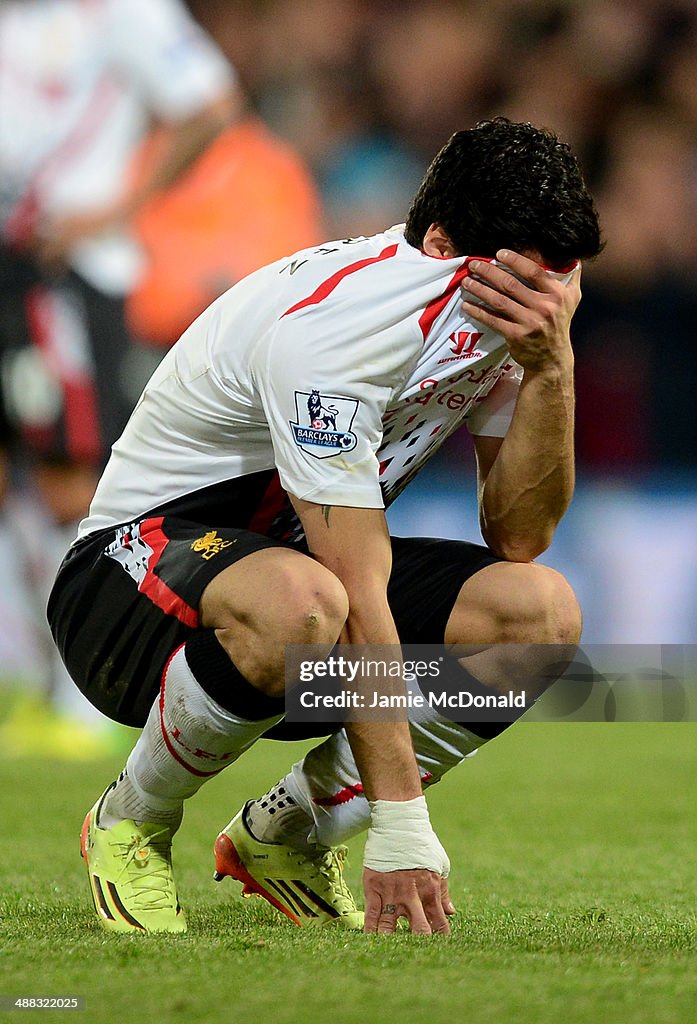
{"x": 562, "y": 612}
{"x": 518, "y": 602}
{"x": 309, "y": 607}
{"x": 301, "y": 603}
{"x": 316, "y": 606}
{"x": 543, "y": 608}
{"x": 312, "y": 608}
{"x": 569, "y": 612}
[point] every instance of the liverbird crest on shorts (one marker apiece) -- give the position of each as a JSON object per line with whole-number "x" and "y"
{"x": 210, "y": 544}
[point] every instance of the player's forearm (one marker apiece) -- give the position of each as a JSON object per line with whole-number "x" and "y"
{"x": 354, "y": 544}
{"x": 531, "y": 482}
{"x": 385, "y": 759}
{"x": 383, "y": 750}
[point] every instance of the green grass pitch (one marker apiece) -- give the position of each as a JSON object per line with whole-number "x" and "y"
{"x": 574, "y": 853}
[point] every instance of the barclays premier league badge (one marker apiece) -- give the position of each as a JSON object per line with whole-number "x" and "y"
{"x": 324, "y": 422}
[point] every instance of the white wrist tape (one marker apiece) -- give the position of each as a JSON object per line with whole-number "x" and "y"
{"x": 400, "y": 838}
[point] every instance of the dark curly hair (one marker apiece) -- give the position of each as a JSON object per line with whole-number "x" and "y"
{"x": 507, "y": 185}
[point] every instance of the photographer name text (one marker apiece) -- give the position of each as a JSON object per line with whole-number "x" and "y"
{"x": 461, "y": 699}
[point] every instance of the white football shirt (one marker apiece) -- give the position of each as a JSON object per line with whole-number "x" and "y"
{"x": 342, "y": 368}
{"x": 79, "y": 82}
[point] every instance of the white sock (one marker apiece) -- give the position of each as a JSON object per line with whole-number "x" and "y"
{"x": 187, "y": 739}
{"x": 276, "y": 818}
{"x": 327, "y": 787}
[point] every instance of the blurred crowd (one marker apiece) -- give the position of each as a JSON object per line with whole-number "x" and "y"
{"x": 218, "y": 135}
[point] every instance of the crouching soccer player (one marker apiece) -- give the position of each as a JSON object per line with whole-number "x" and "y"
{"x": 242, "y": 510}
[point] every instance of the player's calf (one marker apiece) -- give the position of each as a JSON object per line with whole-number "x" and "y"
{"x": 189, "y": 737}
{"x": 515, "y": 602}
{"x": 523, "y": 623}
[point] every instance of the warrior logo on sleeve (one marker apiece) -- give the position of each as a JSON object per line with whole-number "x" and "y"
{"x": 323, "y": 424}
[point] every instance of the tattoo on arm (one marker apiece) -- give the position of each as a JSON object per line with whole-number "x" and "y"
{"x": 326, "y": 509}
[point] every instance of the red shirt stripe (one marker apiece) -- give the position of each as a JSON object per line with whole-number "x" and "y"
{"x": 436, "y": 306}
{"x": 328, "y": 286}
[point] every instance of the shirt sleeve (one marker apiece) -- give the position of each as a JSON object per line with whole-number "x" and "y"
{"x": 492, "y": 415}
{"x": 174, "y": 65}
{"x": 324, "y": 402}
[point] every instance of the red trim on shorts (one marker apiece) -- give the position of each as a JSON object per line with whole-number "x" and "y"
{"x": 328, "y": 286}
{"x": 168, "y": 743}
{"x": 271, "y": 504}
{"x": 156, "y": 589}
{"x": 436, "y": 306}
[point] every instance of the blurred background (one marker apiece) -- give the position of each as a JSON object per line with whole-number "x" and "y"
{"x": 274, "y": 125}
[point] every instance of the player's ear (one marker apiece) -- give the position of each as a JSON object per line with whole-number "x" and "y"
{"x": 437, "y": 243}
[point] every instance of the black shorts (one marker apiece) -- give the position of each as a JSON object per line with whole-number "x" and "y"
{"x": 126, "y": 598}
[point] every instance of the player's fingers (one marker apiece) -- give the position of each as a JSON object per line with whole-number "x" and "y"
{"x": 536, "y": 276}
{"x": 373, "y": 907}
{"x": 497, "y": 323}
{"x": 502, "y": 281}
{"x": 433, "y": 908}
{"x": 446, "y": 902}
{"x": 504, "y": 305}
{"x": 371, "y": 921}
{"x": 388, "y": 918}
{"x": 416, "y": 915}
{"x": 440, "y": 924}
